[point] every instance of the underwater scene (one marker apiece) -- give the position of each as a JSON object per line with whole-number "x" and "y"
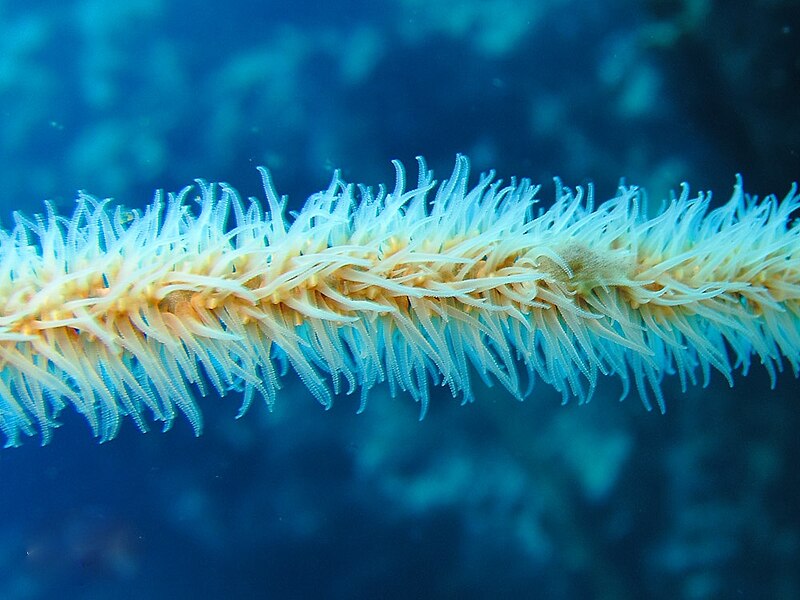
{"x": 266, "y": 471}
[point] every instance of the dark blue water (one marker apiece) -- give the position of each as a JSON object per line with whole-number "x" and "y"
{"x": 495, "y": 499}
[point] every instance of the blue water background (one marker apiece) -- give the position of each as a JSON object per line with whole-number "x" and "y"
{"x": 498, "y": 499}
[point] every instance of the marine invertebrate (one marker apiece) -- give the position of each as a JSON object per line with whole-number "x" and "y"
{"x": 123, "y": 313}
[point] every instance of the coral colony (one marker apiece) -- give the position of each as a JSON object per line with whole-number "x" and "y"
{"x": 120, "y": 312}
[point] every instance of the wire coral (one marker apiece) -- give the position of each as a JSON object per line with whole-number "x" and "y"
{"x": 122, "y": 312}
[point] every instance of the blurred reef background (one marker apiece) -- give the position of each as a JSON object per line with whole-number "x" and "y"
{"x": 497, "y": 499}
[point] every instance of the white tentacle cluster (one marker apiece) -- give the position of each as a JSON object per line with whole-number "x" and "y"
{"x": 119, "y": 312}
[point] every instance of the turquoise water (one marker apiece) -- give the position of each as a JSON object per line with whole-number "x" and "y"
{"x": 495, "y": 499}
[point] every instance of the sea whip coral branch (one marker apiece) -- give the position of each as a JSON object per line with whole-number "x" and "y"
{"x": 123, "y": 312}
